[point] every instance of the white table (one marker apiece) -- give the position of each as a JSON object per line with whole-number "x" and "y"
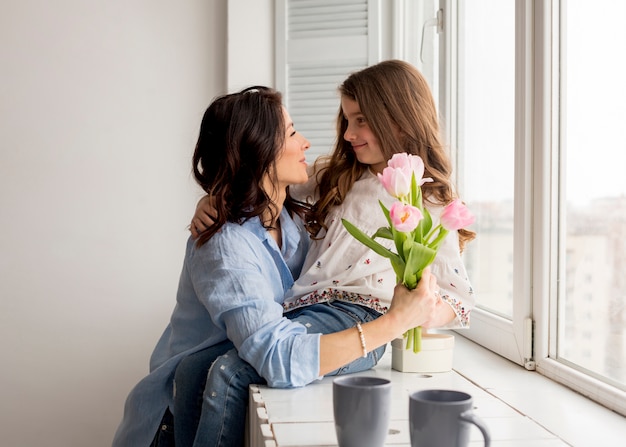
{"x": 304, "y": 416}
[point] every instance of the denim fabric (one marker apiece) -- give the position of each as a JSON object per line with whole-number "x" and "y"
{"x": 164, "y": 436}
{"x": 222, "y": 414}
{"x": 225, "y": 402}
{"x": 189, "y": 382}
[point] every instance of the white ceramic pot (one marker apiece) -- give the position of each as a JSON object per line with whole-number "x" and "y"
{"x": 435, "y": 356}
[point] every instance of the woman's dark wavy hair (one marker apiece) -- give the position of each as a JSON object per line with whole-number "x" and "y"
{"x": 241, "y": 136}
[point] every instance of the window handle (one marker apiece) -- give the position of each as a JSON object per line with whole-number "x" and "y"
{"x": 437, "y": 22}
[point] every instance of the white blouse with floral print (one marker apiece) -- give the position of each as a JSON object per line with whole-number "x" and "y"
{"x": 338, "y": 267}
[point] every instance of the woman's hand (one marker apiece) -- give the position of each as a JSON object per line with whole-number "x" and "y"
{"x": 412, "y": 308}
{"x": 443, "y": 315}
{"x": 203, "y": 218}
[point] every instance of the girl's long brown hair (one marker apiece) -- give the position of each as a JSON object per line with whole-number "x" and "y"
{"x": 392, "y": 95}
{"x": 241, "y": 136}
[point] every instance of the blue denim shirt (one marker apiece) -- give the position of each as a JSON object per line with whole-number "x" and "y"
{"x": 231, "y": 287}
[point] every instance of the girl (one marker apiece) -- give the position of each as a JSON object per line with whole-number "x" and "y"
{"x": 235, "y": 275}
{"x": 385, "y": 109}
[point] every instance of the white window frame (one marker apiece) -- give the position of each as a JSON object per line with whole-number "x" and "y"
{"x": 530, "y": 338}
{"x": 548, "y": 228}
{"x": 510, "y": 338}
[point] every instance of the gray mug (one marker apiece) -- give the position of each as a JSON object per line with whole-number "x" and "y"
{"x": 439, "y": 418}
{"x": 361, "y": 408}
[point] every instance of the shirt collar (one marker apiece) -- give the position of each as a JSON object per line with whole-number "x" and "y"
{"x": 289, "y": 229}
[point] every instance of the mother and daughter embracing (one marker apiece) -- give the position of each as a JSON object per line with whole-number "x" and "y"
{"x": 273, "y": 288}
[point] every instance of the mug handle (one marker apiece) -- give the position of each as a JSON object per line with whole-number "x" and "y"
{"x": 469, "y": 416}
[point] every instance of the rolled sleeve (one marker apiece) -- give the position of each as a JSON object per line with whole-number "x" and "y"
{"x": 293, "y": 358}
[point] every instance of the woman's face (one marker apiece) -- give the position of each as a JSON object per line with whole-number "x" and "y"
{"x": 360, "y": 136}
{"x": 291, "y": 163}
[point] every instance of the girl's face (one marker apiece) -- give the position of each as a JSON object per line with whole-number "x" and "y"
{"x": 291, "y": 163}
{"x": 358, "y": 133}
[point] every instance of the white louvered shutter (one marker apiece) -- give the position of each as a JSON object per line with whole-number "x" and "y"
{"x": 318, "y": 44}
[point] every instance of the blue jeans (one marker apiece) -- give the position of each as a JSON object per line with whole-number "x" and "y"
{"x": 164, "y": 436}
{"x": 216, "y": 401}
{"x": 189, "y": 381}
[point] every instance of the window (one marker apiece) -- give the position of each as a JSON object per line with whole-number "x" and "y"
{"x": 540, "y": 100}
{"x": 486, "y": 144}
{"x": 593, "y": 192}
{"x": 532, "y": 97}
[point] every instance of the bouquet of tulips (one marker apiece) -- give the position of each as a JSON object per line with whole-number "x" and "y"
{"x": 411, "y": 226}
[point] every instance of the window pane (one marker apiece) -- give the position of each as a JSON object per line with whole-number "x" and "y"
{"x": 592, "y": 323}
{"x": 486, "y": 100}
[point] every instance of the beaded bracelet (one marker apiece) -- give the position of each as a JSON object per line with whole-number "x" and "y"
{"x": 362, "y": 337}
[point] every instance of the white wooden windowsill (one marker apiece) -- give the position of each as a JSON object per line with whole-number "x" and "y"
{"x": 521, "y": 408}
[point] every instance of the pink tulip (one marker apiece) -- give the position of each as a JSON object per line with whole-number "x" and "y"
{"x": 456, "y": 216}
{"x": 404, "y": 218}
{"x": 400, "y": 161}
{"x": 410, "y": 163}
{"x": 396, "y": 181}
{"x": 396, "y": 177}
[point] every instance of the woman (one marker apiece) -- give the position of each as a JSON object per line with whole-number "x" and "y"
{"x": 236, "y": 274}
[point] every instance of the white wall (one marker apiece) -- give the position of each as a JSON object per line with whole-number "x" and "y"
{"x": 100, "y": 103}
{"x": 250, "y": 43}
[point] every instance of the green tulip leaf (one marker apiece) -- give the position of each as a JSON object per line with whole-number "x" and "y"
{"x": 384, "y": 233}
{"x": 419, "y": 258}
{"x": 368, "y": 241}
{"x": 424, "y": 226}
{"x": 385, "y": 212}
